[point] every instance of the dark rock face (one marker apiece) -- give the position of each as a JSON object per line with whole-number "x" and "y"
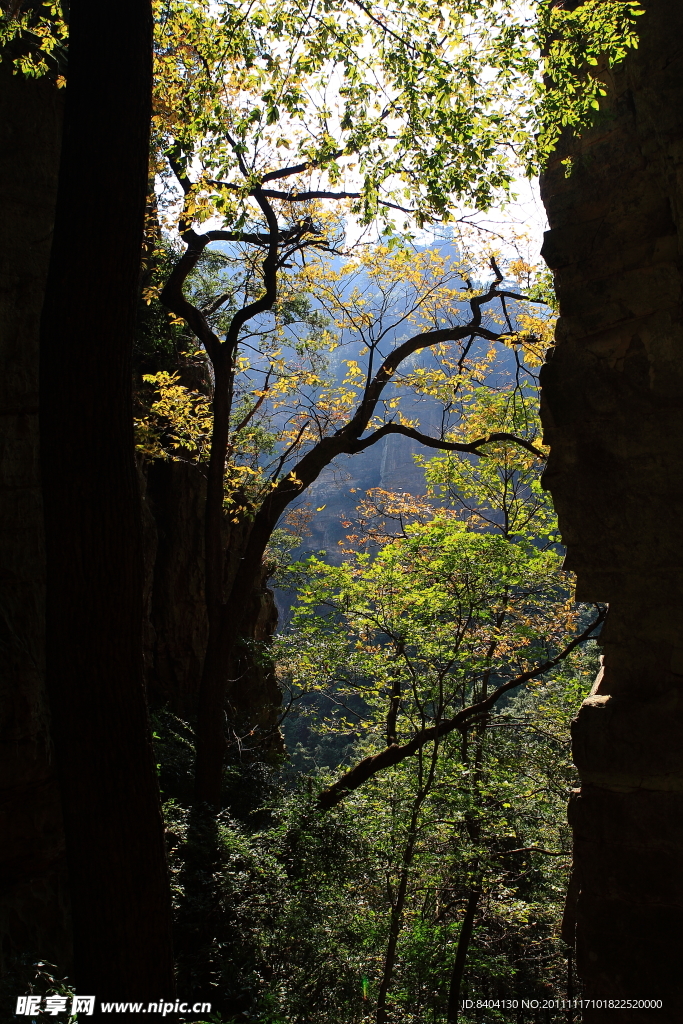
{"x": 34, "y": 904}
{"x": 613, "y": 415}
{"x": 34, "y": 916}
{"x": 254, "y": 697}
{"x": 176, "y": 627}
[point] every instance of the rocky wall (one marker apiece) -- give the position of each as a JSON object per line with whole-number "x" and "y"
{"x": 176, "y": 626}
{"x": 613, "y": 415}
{"x": 34, "y": 917}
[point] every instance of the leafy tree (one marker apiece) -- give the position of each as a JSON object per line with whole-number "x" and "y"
{"x": 299, "y": 927}
{"x": 439, "y": 877}
{"x": 299, "y": 420}
{"x": 471, "y": 841}
{"x": 276, "y": 124}
{"x": 443, "y": 624}
{"x": 417, "y": 649}
{"x": 455, "y": 610}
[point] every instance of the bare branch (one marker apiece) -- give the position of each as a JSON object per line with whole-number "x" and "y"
{"x": 269, "y": 270}
{"x": 215, "y": 304}
{"x": 172, "y": 293}
{"x": 288, "y": 452}
{"x": 534, "y": 849}
{"x": 183, "y": 179}
{"x": 255, "y": 407}
{"x": 521, "y": 298}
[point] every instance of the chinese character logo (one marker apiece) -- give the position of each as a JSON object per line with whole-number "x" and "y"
{"x": 27, "y": 1005}
{"x": 55, "y": 1004}
{"x": 83, "y": 1004}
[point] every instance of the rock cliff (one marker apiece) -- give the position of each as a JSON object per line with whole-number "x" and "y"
{"x": 176, "y": 624}
{"x": 34, "y": 916}
{"x": 614, "y": 419}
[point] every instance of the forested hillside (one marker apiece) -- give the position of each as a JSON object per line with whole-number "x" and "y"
{"x": 355, "y": 812}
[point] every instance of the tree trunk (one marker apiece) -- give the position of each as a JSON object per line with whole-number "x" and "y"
{"x": 398, "y": 906}
{"x": 117, "y": 871}
{"x": 34, "y": 904}
{"x": 395, "y": 922}
{"x": 614, "y": 419}
{"x": 464, "y": 939}
{"x": 228, "y": 622}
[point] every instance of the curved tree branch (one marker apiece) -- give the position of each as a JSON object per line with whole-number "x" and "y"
{"x": 172, "y": 293}
{"x": 471, "y": 447}
{"x": 307, "y": 195}
{"x": 394, "y": 754}
{"x": 173, "y": 298}
{"x": 345, "y": 439}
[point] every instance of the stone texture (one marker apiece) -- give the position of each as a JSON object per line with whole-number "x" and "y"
{"x": 176, "y": 626}
{"x": 613, "y": 416}
{"x": 33, "y": 901}
{"x": 254, "y": 697}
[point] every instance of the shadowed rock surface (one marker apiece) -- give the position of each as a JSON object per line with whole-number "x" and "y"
{"x": 34, "y": 916}
{"x": 613, "y": 415}
{"x": 176, "y": 624}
